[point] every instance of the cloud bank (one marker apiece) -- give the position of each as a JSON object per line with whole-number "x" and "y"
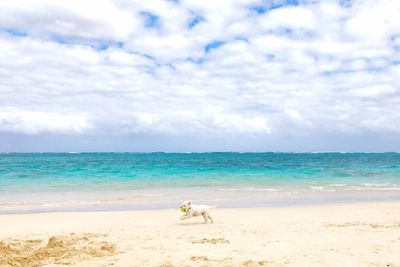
{"x": 189, "y": 69}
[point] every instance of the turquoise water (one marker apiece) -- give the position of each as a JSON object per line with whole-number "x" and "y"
{"x": 52, "y": 181}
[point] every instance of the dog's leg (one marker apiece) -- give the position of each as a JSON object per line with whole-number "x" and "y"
{"x": 209, "y": 217}
{"x": 205, "y": 218}
{"x": 184, "y": 217}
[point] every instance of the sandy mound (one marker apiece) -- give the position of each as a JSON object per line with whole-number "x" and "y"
{"x": 57, "y": 249}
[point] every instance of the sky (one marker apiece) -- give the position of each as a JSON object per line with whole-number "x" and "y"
{"x": 189, "y": 75}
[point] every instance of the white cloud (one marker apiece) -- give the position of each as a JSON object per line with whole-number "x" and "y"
{"x": 33, "y": 122}
{"x": 294, "y": 114}
{"x": 374, "y": 20}
{"x": 69, "y": 18}
{"x": 375, "y": 91}
{"x": 93, "y": 67}
{"x": 288, "y": 17}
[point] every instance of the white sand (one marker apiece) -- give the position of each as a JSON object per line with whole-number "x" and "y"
{"x": 330, "y": 235}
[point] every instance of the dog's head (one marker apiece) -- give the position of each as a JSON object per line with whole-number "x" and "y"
{"x": 186, "y": 205}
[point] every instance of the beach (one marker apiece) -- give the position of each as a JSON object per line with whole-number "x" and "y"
{"x": 273, "y": 209}
{"x": 353, "y": 234}
{"x": 121, "y": 120}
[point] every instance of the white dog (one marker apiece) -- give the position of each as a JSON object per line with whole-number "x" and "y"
{"x": 196, "y": 210}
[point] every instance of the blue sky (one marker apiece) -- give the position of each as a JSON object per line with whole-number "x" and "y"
{"x": 199, "y": 75}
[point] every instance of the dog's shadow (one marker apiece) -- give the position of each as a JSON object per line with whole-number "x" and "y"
{"x": 193, "y": 223}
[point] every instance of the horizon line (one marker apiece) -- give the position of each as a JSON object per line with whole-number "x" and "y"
{"x": 196, "y": 152}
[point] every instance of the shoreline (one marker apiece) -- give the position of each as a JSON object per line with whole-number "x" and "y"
{"x": 241, "y": 200}
{"x": 155, "y": 209}
{"x": 358, "y": 234}
{"x": 224, "y": 209}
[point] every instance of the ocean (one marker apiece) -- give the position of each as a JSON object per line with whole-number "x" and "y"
{"x": 40, "y": 182}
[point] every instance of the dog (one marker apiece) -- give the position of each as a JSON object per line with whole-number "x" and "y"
{"x": 196, "y": 210}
